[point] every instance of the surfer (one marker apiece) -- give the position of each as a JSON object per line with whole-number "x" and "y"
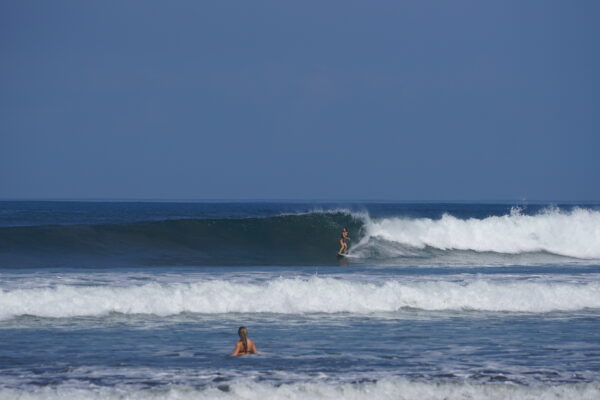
{"x": 343, "y": 242}
{"x": 244, "y": 345}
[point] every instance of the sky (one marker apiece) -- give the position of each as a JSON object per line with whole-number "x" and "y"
{"x": 347, "y": 100}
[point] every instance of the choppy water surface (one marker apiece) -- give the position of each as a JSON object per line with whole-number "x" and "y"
{"x": 427, "y": 306}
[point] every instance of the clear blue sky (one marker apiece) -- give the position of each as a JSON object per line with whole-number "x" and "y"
{"x": 394, "y": 100}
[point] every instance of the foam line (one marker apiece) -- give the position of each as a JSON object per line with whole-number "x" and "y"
{"x": 394, "y": 388}
{"x": 297, "y": 296}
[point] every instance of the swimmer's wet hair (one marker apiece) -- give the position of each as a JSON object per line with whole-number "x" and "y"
{"x": 243, "y": 333}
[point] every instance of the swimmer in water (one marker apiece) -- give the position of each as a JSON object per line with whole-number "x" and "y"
{"x": 343, "y": 242}
{"x": 244, "y": 345}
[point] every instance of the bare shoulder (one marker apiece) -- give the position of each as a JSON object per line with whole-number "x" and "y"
{"x": 239, "y": 345}
{"x": 251, "y": 346}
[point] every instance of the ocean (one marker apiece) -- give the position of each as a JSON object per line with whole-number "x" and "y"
{"x": 142, "y": 300}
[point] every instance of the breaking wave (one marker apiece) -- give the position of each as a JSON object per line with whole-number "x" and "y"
{"x": 299, "y": 296}
{"x": 310, "y": 239}
{"x": 573, "y": 233}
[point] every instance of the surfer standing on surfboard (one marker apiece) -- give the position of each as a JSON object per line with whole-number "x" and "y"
{"x": 343, "y": 242}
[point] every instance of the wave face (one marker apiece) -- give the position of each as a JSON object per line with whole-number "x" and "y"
{"x": 312, "y": 239}
{"x": 305, "y": 239}
{"x": 299, "y": 296}
{"x": 391, "y": 388}
{"x": 573, "y": 233}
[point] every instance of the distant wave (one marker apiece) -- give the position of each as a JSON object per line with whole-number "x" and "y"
{"x": 310, "y": 239}
{"x": 389, "y": 388}
{"x": 573, "y": 233}
{"x": 298, "y": 296}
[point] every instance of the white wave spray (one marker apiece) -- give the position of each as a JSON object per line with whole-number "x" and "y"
{"x": 396, "y": 388}
{"x": 297, "y": 296}
{"x": 573, "y": 233}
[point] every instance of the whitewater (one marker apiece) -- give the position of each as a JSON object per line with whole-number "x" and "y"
{"x": 574, "y": 233}
{"x": 385, "y": 389}
{"x": 297, "y": 296}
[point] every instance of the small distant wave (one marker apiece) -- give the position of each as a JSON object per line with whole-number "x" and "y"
{"x": 396, "y": 388}
{"x": 299, "y": 296}
{"x": 574, "y": 233}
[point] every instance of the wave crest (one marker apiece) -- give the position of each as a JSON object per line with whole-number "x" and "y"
{"x": 573, "y": 233}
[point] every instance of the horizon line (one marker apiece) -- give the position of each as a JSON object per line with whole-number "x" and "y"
{"x": 276, "y": 200}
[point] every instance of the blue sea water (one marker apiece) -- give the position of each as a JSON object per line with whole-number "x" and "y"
{"x": 116, "y": 300}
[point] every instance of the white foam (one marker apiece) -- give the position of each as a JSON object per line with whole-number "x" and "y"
{"x": 300, "y": 295}
{"x": 394, "y": 388}
{"x": 573, "y": 233}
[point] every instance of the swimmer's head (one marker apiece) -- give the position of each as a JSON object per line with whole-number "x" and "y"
{"x": 243, "y": 332}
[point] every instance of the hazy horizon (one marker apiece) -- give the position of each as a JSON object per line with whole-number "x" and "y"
{"x": 516, "y": 202}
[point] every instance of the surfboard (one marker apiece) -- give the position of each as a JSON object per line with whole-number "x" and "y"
{"x": 341, "y": 255}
